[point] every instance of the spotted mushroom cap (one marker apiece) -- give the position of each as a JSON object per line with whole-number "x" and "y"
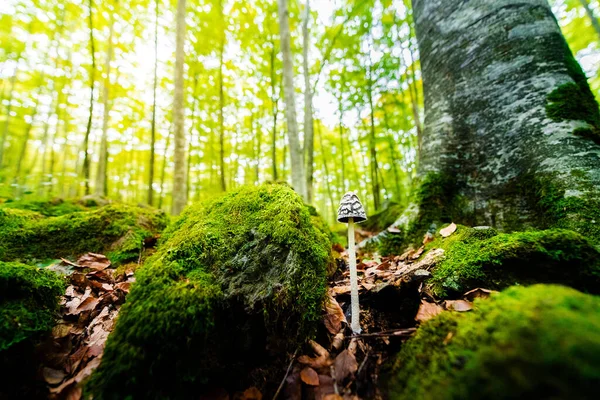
{"x": 351, "y": 207}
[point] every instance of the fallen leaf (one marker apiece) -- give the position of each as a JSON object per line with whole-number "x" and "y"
{"x": 309, "y": 376}
{"x": 98, "y": 262}
{"x": 338, "y": 247}
{"x": 323, "y": 359}
{"x": 418, "y": 253}
{"x": 70, "y": 291}
{"x": 252, "y": 394}
{"x": 53, "y": 376}
{"x": 449, "y": 230}
{"x": 338, "y": 341}
{"x": 88, "y": 304}
{"x": 428, "y": 238}
{"x": 64, "y": 260}
{"x": 332, "y": 396}
{"x": 368, "y": 286}
{"x": 478, "y": 293}
{"x": 341, "y": 289}
{"x": 458, "y": 305}
{"x": 427, "y": 311}
{"x": 384, "y": 266}
{"x": 325, "y": 387}
{"x": 124, "y": 286}
{"x": 334, "y": 315}
{"x": 84, "y": 373}
{"x": 345, "y": 365}
{"x": 407, "y": 254}
{"x": 293, "y": 386}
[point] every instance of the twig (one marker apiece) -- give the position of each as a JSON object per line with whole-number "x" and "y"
{"x": 362, "y": 364}
{"x": 286, "y": 375}
{"x": 397, "y": 332}
{"x": 70, "y": 263}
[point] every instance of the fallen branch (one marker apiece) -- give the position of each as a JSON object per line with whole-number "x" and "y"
{"x": 396, "y": 332}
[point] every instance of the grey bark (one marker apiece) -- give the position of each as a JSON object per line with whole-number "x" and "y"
{"x": 88, "y": 129}
{"x": 309, "y": 144}
{"x": 179, "y": 170}
{"x": 296, "y": 154}
{"x": 151, "y": 166}
{"x": 591, "y": 15}
{"x": 488, "y": 68}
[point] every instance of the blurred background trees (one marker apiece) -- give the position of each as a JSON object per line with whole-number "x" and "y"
{"x": 87, "y": 100}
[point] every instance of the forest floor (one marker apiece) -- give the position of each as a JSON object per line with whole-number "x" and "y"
{"x": 336, "y": 365}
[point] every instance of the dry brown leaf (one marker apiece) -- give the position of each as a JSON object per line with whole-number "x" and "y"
{"x": 427, "y": 311}
{"x": 368, "y": 286}
{"x": 428, "y": 238}
{"x": 478, "y": 293}
{"x": 252, "y": 394}
{"x": 417, "y": 253}
{"x": 70, "y": 291}
{"x": 334, "y": 315}
{"x": 345, "y": 365}
{"x": 53, "y": 376}
{"x": 323, "y": 359}
{"x": 309, "y": 376}
{"x": 332, "y": 396}
{"x": 124, "y": 286}
{"x": 449, "y": 230}
{"x": 384, "y": 266}
{"x": 458, "y": 305}
{"x": 341, "y": 289}
{"x": 407, "y": 254}
{"x": 325, "y": 387}
{"x": 94, "y": 261}
{"x": 88, "y": 304}
{"x": 338, "y": 341}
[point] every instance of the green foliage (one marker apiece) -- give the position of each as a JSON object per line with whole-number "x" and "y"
{"x": 231, "y": 277}
{"x": 542, "y": 341}
{"x": 28, "y": 300}
{"x": 483, "y": 258}
{"x": 117, "y": 230}
{"x": 383, "y": 219}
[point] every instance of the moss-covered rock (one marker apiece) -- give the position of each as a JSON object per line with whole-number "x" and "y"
{"x": 117, "y": 230}
{"x": 540, "y": 342}
{"x": 234, "y": 284}
{"x": 484, "y": 258}
{"x": 49, "y": 208}
{"x": 28, "y": 300}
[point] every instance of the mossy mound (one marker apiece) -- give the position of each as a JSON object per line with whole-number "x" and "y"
{"x": 49, "y": 208}
{"x": 540, "y": 342}
{"x": 483, "y": 258}
{"x": 234, "y": 284}
{"x": 28, "y": 299}
{"x": 117, "y": 230}
{"x": 383, "y": 219}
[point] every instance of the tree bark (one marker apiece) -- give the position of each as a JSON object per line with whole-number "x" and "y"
{"x": 222, "y": 105}
{"x": 13, "y": 80}
{"x": 511, "y": 125}
{"x": 150, "y": 199}
{"x": 101, "y": 174}
{"x": 309, "y": 144}
{"x": 296, "y": 154}
{"x": 179, "y": 171}
{"x": 274, "y": 101}
{"x": 88, "y": 129}
{"x": 590, "y": 13}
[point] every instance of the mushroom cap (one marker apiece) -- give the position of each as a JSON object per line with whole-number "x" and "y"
{"x": 351, "y": 207}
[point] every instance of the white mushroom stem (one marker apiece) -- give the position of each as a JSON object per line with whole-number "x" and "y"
{"x": 355, "y": 325}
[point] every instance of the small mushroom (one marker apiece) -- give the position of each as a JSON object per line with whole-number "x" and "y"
{"x": 350, "y": 211}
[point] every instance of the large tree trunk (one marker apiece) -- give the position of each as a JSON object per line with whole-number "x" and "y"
{"x": 179, "y": 172}
{"x": 309, "y": 143}
{"x": 101, "y": 176}
{"x": 296, "y": 154}
{"x": 511, "y": 126}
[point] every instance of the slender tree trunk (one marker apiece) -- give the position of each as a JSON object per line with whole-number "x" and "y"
{"x": 222, "y": 106}
{"x": 309, "y": 146}
{"x": 88, "y": 129}
{"x": 151, "y": 163}
{"x": 342, "y": 149}
{"x": 13, "y": 80}
{"x": 326, "y": 169}
{"x": 274, "y": 101}
{"x": 190, "y": 145}
{"x": 101, "y": 175}
{"x": 590, "y": 13}
{"x": 517, "y": 148}
{"x": 393, "y": 155}
{"x": 258, "y": 134}
{"x": 374, "y": 166}
{"x": 179, "y": 172}
{"x": 164, "y": 170}
{"x": 296, "y": 154}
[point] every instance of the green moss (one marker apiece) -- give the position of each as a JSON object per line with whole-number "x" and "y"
{"x": 234, "y": 284}
{"x": 475, "y": 258}
{"x": 575, "y": 101}
{"x": 28, "y": 299}
{"x": 117, "y": 230}
{"x": 539, "y": 342}
{"x": 49, "y": 208}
